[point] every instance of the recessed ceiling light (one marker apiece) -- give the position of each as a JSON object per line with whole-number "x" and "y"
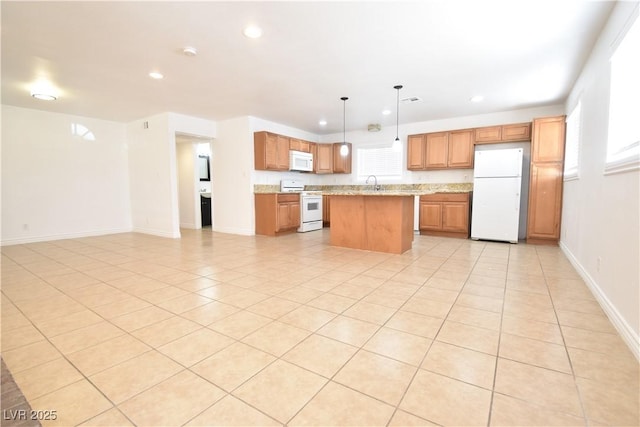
{"x": 44, "y": 90}
{"x": 44, "y": 96}
{"x": 156, "y": 75}
{"x": 190, "y": 51}
{"x": 477, "y": 98}
{"x": 322, "y": 122}
{"x": 386, "y": 112}
{"x": 252, "y": 32}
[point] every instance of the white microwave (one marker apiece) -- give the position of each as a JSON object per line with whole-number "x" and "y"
{"x": 300, "y": 161}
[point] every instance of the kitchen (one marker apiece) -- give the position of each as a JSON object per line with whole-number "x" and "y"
{"x": 124, "y": 183}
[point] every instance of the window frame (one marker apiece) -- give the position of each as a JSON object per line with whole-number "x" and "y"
{"x": 573, "y": 123}
{"x": 389, "y": 178}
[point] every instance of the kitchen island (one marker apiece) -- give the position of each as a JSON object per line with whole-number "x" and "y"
{"x": 375, "y": 221}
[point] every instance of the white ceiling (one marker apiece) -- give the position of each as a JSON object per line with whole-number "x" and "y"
{"x": 517, "y": 54}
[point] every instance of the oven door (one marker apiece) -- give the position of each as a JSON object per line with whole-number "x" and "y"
{"x": 311, "y": 209}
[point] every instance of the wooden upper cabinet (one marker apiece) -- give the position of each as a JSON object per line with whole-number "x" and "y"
{"x": 323, "y": 158}
{"x": 436, "y": 151}
{"x": 271, "y": 151}
{"x": 545, "y": 201}
{"x": 415, "y": 152}
{"x": 516, "y": 132}
{"x": 461, "y": 150}
{"x": 547, "y": 143}
{"x": 299, "y": 145}
{"x": 488, "y": 134}
{"x": 505, "y": 133}
{"x": 341, "y": 164}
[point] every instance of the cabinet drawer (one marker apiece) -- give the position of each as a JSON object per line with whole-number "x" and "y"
{"x": 488, "y": 134}
{"x": 445, "y": 197}
{"x": 517, "y": 132}
{"x": 288, "y": 197}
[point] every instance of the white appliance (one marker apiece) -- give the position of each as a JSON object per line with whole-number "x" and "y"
{"x": 497, "y": 177}
{"x": 310, "y": 205}
{"x": 300, "y": 161}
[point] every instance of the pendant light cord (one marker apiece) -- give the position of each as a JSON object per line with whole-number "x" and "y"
{"x": 344, "y": 119}
{"x": 397, "y": 88}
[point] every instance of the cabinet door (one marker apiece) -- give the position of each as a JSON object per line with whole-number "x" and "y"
{"x": 460, "y": 149}
{"x": 545, "y": 199}
{"x": 415, "y": 152}
{"x": 547, "y": 143}
{"x": 294, "y": 144}
{"x": 436, "y": 150}
{"x": 294, "y": 214}
{"x": 271, "y": 151}
{"x": 282, "y": 152}
{"x": 488, "y": 134}
{"x": 430, "y": 216}
{"x": 324, "y": 158}
{"x": 326, "y": 209}
{"x": 516, "y": 132}
{"x": 305, "y": 146}
{"x": 341, "y": 164}
{"x": 455, "y": 217}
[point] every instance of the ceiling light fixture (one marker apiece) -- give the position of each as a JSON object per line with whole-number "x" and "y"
{"x": 44, "y": 90}
{"x": 190, "y": 51}
{"x": 156, "y": 75}
{"x": 386, "y": 112}
{"x": 344, "y": 148}
{"x": 476, "y": 98}
{"x": 322, "y": 122}
{"x": 397, "y": 145}
{"x": 252, "y": 32}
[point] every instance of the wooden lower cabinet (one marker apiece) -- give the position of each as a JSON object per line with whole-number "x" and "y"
{"x": 277, "y": 213}
{"x": 326, "y": 210}
{"x": 545, "y": 203}
{"x": 445, "y": 214}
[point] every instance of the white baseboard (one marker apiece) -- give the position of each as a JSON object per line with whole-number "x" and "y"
{"x": 233, "y": 230}
{"x": 63, "y": 236}
{"x": 189, "y": 225}
{"x": 629, "y": 336}
{"x": 156, "y": 232}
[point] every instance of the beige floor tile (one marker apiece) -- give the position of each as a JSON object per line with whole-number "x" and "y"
{"x": 232, "y": 366}
{"x": 183, "y": 396}
{"x": 321, "y": 355}
{"x": 240, "y": 324}
{"x": 475, "y": 317}
{"x": 163, "y": 295}
{"x": 118, "y": 308}
{"x": 19, "y": 337}
{"x": 534, "y": 352}
{"x": 398, "y": 345}
{"x": 377, "y": 376}
{"x": 230, "y": 411}
{"x": 368, "y": 312}
{"x": 140, "y": 319}
{"x": 273, "y": 307}
{"x": 14, "y": 321}
{"x": 415, "y": 323}
{"x": 351, "y": 291}
{"x": 604, "y": 403}
{"x": 72, "y": 322}
{"x": 300, "y": 294}
{"x": 111, "y": 418}
{"x": 123, "y": 381}
{"x": 209, "y": 313}
{"x": 480, "y": 302}
{"x": 554, "y": 390}
{"x": 351, "y": 331}
{"x": 470, "y": 337}
{"x": 308, "y": 318}
{"x": 615, "y": 369}
{"x": 165, "y": 331}
{"x": 196, "y": 346}
{"x": 427, "y": 307}
{"x": 197, "y": 284}
{"x": 593, "y": 322}
{"x": 436, "y": 294}
{"x": 599, "y": 342}
{"x": 507, "y": 411}
{"x": 244, "y": 298}
{"x": 336, "y": 405}
{"x": 46, "y": 378}
{"x": 446, "y": 401}
{"x": 405, "y": 419}
{"x": 184, "y": 303}
{"x": 88, "y": 336}
{"x": 542, "y": 331}
{"x": 276, "y": 338}
{"x": 73, "y": 404}
{"x": 106, "y": 354}
{"x": 461, "y": 363}
{"x": 386, "y": 299}
{"x": 332, "y": 303}
{"x": 218, "y": 291}
{"x": 280, "y": 390}
{"x": 29, "y": 356}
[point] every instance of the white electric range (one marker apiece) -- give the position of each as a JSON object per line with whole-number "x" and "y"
{"x": 310, "y": 205}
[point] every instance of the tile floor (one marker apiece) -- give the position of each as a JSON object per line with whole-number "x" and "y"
{"x": 214, "y": 329}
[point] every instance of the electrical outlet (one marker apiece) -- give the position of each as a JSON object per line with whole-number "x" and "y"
{"x": 598, "y": 263}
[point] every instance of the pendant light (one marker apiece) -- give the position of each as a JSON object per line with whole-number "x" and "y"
{"x": 397, "y": 145}
{"x": 344, "y": 148}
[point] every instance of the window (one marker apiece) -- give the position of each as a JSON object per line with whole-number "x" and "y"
{"x": 380, "y": 160}
{"x": 572, "y": 145}
{"x": 623, "y": 144}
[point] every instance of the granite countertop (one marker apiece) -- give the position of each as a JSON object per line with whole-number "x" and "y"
{"x": 366, "y": 190}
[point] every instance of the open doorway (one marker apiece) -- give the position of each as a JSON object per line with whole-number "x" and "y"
{"x": 195, "y": 197}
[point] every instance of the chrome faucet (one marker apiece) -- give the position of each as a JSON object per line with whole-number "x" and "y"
{"x": 376, "y": 187}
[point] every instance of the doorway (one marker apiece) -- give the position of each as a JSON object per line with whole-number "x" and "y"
{"x": 195, "y": 197}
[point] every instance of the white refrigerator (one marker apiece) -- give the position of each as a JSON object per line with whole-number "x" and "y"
{"x": 497, "y": 180}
